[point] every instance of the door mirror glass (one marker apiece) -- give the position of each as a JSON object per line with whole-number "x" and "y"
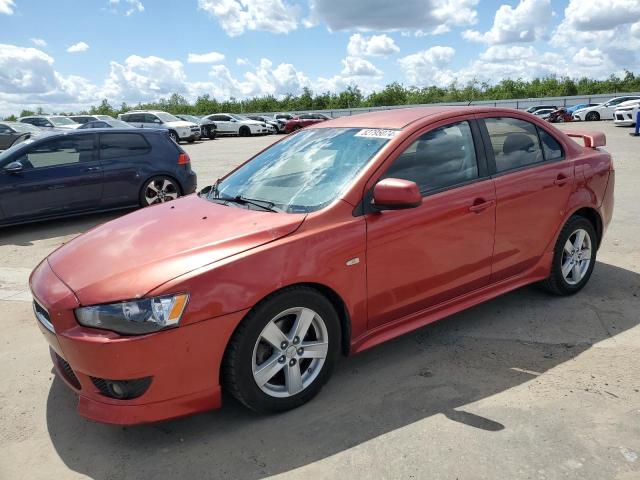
{"x": 156, "y": 120}
{"x": 396, "y": 194}
{"x": 13, "y": 167}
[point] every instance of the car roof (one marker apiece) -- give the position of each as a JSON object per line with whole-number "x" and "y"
{"x": 399, "y": 118}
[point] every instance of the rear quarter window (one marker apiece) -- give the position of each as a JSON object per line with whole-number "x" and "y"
{"x": 122, "y": 145}
{"x": 550, "y": 146}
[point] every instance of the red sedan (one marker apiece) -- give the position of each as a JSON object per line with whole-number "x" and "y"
{"x": 304, "y": 120}
{"x": 333, "y": 240}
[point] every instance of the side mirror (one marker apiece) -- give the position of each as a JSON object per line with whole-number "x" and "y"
{"x": 157, "y": 120}
{"x": 234, "y": 120}
{"x": 13, "y": 167}
{"x": 396, "y": 194}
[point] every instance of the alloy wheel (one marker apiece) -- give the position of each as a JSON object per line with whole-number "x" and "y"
{"x": 290, "y": 352}
{"x": 576, "y": 256}
{"x": 160, "y": 190}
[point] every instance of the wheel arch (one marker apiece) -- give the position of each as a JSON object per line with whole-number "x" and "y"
{"x": 594, "y": 217}
{"x": 331, "y": 295}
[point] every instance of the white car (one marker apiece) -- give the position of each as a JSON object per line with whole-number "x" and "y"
{"x": 58, "y": 122}
{"x": 626, "y": 114}
{"x": 233, "y": 124}
{"x": 604, "y": 111}
{"x": 544, "y": 113}
{"x": 178, "y": 129}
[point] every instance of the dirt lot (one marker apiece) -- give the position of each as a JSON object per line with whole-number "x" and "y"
{"x": 525, "y": 386}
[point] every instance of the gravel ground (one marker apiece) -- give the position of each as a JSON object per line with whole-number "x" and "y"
{"x": 525, "y": 386}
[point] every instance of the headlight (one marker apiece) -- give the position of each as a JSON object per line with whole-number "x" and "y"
{"x": 135, "y": 317}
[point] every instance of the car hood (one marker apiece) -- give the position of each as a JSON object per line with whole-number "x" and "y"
{"x": 130, "y": 256}
{"x": 181, "y": 124}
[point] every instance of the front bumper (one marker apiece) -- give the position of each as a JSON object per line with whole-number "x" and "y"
{"x": 625, "y": 118}
{"x": 183, "y": 363}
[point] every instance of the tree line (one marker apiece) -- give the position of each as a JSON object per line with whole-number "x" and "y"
{"x": 393, "y": 94}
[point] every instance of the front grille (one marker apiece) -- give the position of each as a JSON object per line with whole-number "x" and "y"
{"x": 67, "y": 371}
{"x": 122, "y": 389}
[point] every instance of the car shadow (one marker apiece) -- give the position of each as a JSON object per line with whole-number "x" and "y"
{"x": 27, "y": 234}
{"x": 438, "y": 369}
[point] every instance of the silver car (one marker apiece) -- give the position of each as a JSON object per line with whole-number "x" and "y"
{"x": 178, "y": 129}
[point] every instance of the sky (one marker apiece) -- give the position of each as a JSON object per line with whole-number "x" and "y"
{"x": 64, "y": 55}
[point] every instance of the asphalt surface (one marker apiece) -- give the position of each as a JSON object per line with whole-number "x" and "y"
{"x": 525, "y": 386}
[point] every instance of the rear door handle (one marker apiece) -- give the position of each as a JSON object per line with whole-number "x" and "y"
{"x": 482, "y": 205}
{"x": 92, "y": 169}
{"x": 560, "y": 180}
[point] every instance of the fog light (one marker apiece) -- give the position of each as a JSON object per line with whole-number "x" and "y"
{"x": 117, "y": 389}
{"x": 122, "y": 389}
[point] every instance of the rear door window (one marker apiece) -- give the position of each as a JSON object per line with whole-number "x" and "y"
{"x": 119, "y": 145}
{"x": 514, "y": 142}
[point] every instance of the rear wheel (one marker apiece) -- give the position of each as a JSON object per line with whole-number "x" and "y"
{"x": 283, "y": 352}
{"x": 159, "y": 189}
{"x": 574, "y": 257}
{"x": 592, "y": 116}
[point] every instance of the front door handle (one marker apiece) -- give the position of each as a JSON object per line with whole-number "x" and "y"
{"x": 561, "y": 180}
{"x": 480, "y": 205}
{"x": 92, "y": 169}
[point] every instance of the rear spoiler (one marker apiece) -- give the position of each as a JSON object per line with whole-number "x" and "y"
{"x": 590, "y": 139}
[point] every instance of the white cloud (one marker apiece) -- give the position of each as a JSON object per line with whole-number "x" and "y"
{"x": 236, "y": 16}
{"x": 142, "y": 79}
{"x": 359, "y": 67}
{"x": 382, "y": 15}
{"x": 133, "y": 6}
{"x": 429, "y": 66}
{"x": 374, "y": 46}
{"x": 39, "y": 42}
{"x": 78, "y": 47}
{"x": 597, "y": 15}
{"x": 28, "y": 80}
{"x": 526, "y": 22}
{"x": 211, "y": 57}
{"x": 7, "y": 6}
{"x": 241, "y": 62}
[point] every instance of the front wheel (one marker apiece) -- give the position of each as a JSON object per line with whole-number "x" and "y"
{"x": 574, "y": 257}
{"x": 592, "y": 116}
{"x": 174, "y": 136}
{"x": 159, "y": 189}
{"x": 283, "y": 352}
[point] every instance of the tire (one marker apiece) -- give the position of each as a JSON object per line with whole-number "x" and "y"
{"x": 571, "y": 282}
{"x": 166, "y": 189}
{"x": 174, "y": 136}
{"x": 249, "y": 354}
{"x": 212, "y": 134}
{"x": 592, "y": 116}
{"x": 244, "y": 131}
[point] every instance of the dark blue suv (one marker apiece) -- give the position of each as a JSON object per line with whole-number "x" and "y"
{"x": 68, "y": 173}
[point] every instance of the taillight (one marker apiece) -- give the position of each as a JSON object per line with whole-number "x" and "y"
{"x": 184, "y": 159}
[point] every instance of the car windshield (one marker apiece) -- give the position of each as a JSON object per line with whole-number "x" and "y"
{"x": 306, "y": 171}
{"x": 61, "y": 121}
{"x": 167, "y": 117}
{"x": 104, "y": 117}
{"x": 239, "y": 117}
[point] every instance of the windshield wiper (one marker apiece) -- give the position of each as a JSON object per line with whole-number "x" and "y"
{"x": 264, "y": 204}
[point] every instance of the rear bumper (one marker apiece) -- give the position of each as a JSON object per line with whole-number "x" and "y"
{"x": 189, "y": 182}
{"x": 183, "y": 363}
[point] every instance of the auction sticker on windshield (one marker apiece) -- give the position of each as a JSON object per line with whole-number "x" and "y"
{"x": 376, "y": 133}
